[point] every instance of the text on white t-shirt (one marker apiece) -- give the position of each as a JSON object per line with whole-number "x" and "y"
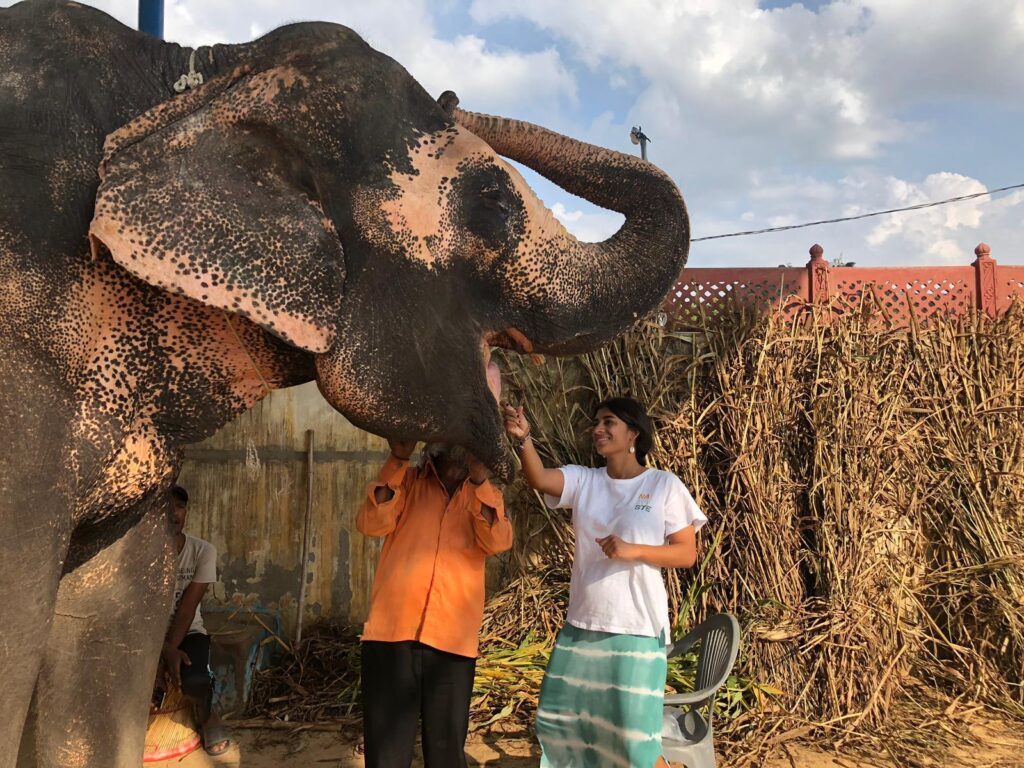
{"x": 614, "y": 595}
{"x": 197, "y": 562}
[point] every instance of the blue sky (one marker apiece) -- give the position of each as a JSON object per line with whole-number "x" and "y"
{"x": 765, "y": 113}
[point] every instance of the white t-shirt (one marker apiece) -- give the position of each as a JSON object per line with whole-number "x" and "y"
{"x": 197, "y": 562}
{"x": 612, "y": 595}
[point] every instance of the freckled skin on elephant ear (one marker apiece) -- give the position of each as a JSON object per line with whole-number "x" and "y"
{"x": 215, "y": 203}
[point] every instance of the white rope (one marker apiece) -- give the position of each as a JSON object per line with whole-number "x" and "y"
{"x": 191, "y": 79}
{"x": 253, "y": 466}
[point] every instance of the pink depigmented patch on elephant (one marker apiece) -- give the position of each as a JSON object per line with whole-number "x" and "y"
{"x": 89, "y": 329}
{"x": 196, "y": 340}
{"x": 139, "y": 463}
{"x": 493, "y": 372}
{"x": 270, "y": 84}
{"x": 16, "y": 84}
{"x": 165, "y": 270}
{"x": 544, "y": 229}
{"x": 108, "y": 382}
{"x": 238, "y": 345}
{"x": 416, "y": 216}
{"x": 183, "y": 139}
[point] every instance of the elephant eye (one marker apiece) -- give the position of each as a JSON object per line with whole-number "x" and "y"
{"x": 493, "y": 197}
{"x": 487, "y": 205}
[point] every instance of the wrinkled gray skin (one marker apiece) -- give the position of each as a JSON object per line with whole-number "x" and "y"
{"x": 308, "y": 213}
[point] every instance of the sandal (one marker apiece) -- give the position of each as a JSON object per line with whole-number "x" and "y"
{"x": 215, "y": 740}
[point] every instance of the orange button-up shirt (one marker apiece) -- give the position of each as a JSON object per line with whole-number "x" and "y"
{"x": 430, "y": 578}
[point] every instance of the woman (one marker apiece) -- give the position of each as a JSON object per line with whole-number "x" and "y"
{"x": 603, "y": 693}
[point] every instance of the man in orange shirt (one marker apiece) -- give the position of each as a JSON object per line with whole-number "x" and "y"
{"x": 441, "y": 520}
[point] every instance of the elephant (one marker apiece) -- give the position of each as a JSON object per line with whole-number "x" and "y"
{"x": 184, "y": 230}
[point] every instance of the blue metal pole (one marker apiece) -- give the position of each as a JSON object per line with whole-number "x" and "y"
{"x": 151, "y": 17}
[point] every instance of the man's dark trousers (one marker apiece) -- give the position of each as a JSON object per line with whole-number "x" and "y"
{"x": 196, "y": 678}
{"x": 405, "y": 682}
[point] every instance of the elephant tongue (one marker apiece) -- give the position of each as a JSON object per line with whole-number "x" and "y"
{"x": 494, "y": 380}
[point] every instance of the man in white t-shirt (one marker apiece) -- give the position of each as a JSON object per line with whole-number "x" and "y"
{"x": 185, "y": 658}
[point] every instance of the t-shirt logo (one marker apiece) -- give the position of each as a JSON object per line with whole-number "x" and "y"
{"x": 641, "y": 507}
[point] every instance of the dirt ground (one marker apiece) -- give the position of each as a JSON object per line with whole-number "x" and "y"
{"x": 265, "y": 748}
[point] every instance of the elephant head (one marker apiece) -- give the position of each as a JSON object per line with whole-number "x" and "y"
{"x": 320, "y": 192}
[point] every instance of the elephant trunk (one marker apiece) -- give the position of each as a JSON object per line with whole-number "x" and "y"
{"x": 611, "y": 283}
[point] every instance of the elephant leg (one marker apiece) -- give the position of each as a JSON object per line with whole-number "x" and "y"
{"x": 91, "y": 703}
{"x": 35, "y": 514}
{"x": 29, "y": 575}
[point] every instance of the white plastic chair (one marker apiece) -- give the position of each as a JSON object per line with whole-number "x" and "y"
{"x": 687, "y": 734}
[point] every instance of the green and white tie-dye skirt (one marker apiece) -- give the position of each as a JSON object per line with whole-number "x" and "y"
{"x": 602, "y": 699}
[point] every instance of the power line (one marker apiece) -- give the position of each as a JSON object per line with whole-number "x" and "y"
{"x": 917, "y": 207}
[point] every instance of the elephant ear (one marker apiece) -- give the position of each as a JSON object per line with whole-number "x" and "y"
{"x": 209, "y": 196}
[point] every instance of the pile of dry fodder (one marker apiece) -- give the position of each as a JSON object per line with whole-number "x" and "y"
{"x": 865, "y": 489}
{"x": 315, "y": 682}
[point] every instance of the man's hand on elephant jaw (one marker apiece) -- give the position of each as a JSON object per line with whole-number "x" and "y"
{"x": 433, "y": 383}
{"x": 402, "y": 449}
{"x": 477, "y": 471}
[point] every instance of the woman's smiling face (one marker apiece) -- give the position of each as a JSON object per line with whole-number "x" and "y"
{"x": 611, "y": 434}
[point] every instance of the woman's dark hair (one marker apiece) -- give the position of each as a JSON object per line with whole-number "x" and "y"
{"x": 179, "y": 493}
{"x": 630, "y": 411}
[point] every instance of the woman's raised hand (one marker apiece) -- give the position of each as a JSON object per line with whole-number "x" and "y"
{"x": 516, "y": 425}
{"x": 538, "y": 477}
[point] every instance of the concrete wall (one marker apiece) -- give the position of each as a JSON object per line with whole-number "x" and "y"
{"x": 248, "y": 495}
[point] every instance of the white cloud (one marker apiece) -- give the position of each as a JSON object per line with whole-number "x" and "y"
{"x": 789, "y": 188}
{"x": 566, "y": 216}
{"x": 742, "y": 102}
{"x": 486, "y": 79}
{"x": 924, "y": 229}
{"x": 761, "y": 75}
{"x": 920, "y": 50}
{"x": 946, "y": 251}
{"x": 832, "y": 84}
{"x": 586, "y": 226}
{"x": 941, "y": 234}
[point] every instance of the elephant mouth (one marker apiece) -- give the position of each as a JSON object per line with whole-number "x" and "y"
{"x": 513, "y": 339}
{"x": 493, "y": 377}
